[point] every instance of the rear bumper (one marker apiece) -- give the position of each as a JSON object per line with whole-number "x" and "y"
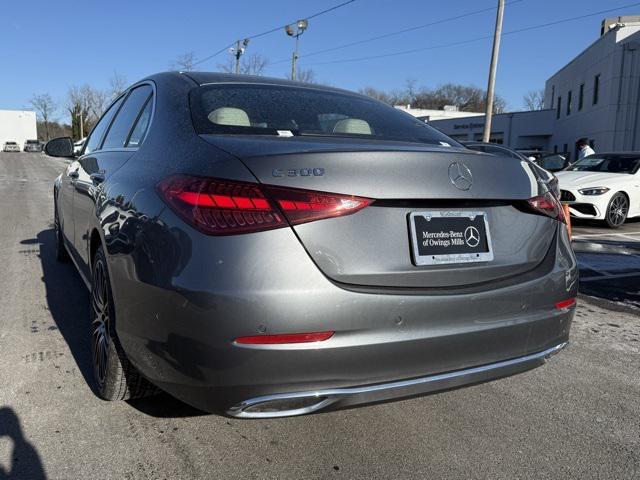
{"x": 178, "y": 325}
{"x": 271, "y": 406}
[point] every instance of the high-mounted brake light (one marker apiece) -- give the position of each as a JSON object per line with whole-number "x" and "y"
{"x": 226, "y": 207}
{"x": 548, "y": 205}
{"x": 285, "y": 338}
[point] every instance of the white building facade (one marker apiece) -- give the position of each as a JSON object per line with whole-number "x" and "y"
{"x": 17, "y": 126}
{"x": 595, "y": 96}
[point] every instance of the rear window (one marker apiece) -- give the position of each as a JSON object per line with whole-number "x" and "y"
{"x": 291, "y": 111}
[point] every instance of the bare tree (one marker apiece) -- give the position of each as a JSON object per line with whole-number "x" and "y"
{"x": 117, "y": 84}
{"x": 253, "y": 64}
{"x": 393, "y": 97}
{"x": 306, "y": 75}
{"x": 534, "y": 100}
{"x": 45, "y": 108}
{"x": 465, "y": 97}
{"x": 184, "y": 62}
{"x": 85, "y": 105}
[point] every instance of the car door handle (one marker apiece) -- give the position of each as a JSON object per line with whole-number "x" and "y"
{"x": 97, "y": 177}
{"x": 74, "y": 174}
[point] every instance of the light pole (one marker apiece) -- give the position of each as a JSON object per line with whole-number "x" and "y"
{"x": 295, "y": 30}
{"x": 238, "y": 51}
{"x": 486, "y": 136}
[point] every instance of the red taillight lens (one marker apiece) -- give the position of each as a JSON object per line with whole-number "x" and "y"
{"x": 301, "y": 206}
{"x": 548, "y": 205}
{"x": 226, "y": 207}
{"x": 285, "y": 338}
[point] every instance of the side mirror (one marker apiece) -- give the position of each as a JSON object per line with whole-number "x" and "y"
{"x": 59, "y": 147}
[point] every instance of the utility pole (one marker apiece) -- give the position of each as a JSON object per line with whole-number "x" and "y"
{"x": 300, "y": 26}
{"x": 492, "y": 72}
{"x": 238, "y": 51}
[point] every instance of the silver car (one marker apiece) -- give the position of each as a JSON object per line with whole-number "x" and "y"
{"x": 11, "y": 147}
{"x": 269, "y": 248}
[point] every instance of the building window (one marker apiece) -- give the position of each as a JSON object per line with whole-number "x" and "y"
{"x": 553, "y": 95}
{"x": 581, "y": 97}
{"x": 569, "y": 103}
{"x": 596, "y": 89}
{"x": 559, "y": 107}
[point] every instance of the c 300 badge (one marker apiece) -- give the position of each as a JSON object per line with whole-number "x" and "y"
{"x": 298, "y": 172}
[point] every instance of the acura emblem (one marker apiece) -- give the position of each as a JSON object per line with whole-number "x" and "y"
{"x": 460, "y": 176}
{"x": 472, "y": 236}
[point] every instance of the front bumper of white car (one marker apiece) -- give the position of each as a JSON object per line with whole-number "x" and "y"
{"x": 586, "y": 206}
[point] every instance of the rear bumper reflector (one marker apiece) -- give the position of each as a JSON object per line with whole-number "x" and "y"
{"x": 285, "y": 338}
{"x": 566, "y": 304}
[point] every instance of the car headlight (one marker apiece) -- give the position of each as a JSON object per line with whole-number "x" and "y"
{"x": 594, "y": 191}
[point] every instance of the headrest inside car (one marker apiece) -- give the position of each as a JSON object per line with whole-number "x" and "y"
{"x": 229, "y": 116}
{"x": 352, "y": 125}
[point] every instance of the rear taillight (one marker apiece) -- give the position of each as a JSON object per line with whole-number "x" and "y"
{"x": 225, "y": 207}
{"x": 548, "y": 205}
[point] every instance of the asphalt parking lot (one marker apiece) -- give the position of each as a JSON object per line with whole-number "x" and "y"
{"x": 576, "y": 417}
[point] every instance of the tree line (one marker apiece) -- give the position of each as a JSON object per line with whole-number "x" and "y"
{"x": 83, "y": 107}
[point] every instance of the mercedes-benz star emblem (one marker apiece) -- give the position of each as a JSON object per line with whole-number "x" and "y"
{"x": 472, "y": 236}
{"x": 460, "y": 176}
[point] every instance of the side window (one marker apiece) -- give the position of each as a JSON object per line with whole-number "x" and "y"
{"x": 142, "y": 124}
{"x": 121, "y": 126}
{"x": 98, "y": 131}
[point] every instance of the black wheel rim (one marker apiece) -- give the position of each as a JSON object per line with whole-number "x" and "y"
{"x": 100, "y": 324}
{"x": 618, "y": 210}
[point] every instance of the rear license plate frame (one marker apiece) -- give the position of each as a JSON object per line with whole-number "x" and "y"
{"x": 452, "y": 258}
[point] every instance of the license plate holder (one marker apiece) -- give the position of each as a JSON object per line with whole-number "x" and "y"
{"x": 442, "y": 237}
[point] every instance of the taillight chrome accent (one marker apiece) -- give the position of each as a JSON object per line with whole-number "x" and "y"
{"x": 549, "y": 205}
{"x": 227, "y": 207}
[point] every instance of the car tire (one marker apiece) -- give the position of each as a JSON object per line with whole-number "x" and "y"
{"x": 617, "y": 210}
{"x": 61, "y": 252}
{"x": 114, "y": 375}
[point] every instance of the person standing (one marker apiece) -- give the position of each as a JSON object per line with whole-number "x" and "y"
{"x": 584, "y": 149}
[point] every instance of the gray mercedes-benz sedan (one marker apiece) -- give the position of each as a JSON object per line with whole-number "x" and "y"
{"x": 268, "y": 248}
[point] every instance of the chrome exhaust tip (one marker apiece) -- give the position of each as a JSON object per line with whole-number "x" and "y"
{"x": 274, "y": 406}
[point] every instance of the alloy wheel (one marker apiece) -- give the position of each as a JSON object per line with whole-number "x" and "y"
{"x": 618, "y": 209}
{"x": 100, "y": 337}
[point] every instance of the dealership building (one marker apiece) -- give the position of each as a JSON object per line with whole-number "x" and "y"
{"x": 596, "y": 96}
{"x": 17, "y": 126}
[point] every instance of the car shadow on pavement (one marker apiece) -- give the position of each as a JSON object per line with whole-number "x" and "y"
{"x": 68, "y": 302}
{"x": 24, "y": 460}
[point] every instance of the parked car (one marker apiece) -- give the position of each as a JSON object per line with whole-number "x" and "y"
{"x": 249, "y": 253}
{"x": 32, "y": 146}
{"x": 553, "y": 162}
{"x": 77, "y": 147}
{"x": 604, "y": 186}
{"x": 543, "y": 174}
{"x": 11, "y": 147}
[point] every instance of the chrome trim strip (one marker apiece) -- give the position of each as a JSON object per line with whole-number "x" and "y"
{"x": 331, "y": 396}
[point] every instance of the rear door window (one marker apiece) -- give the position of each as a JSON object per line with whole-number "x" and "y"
{"x": 142, "y": 125}
{"x": 98, "y": 131}
{"x": 119, "y": 132}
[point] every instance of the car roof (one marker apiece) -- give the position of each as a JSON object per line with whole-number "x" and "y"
{"x": 205, "y": 78}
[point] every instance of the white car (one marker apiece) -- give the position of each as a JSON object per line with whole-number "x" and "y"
{"x": 77, "y": 147}
{"x": 603, "y": 187}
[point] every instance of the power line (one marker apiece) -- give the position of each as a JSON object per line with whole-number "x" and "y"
{"x": 399, "y": 32}
{"x": 476, "y": 39}
{"x": 267, "y": 32}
